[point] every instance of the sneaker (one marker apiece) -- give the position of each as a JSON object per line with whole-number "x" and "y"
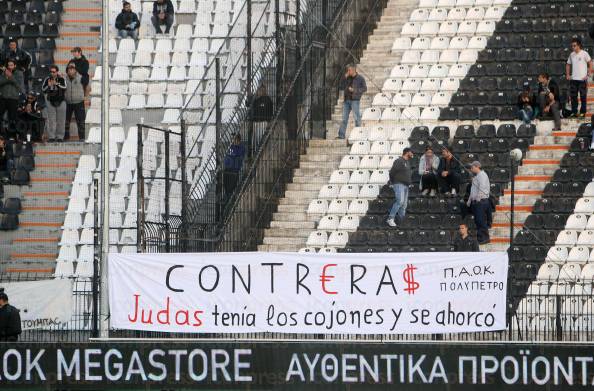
{"x": 447, "y": 194}
{"x": 453, "y": 192}
{"x": 486, "y": 241}
{"x": 425, "y": 192}
{"x": 581, "y": 115}
{"x": 432, "y": 193}
{"x": 572, "y": 115}
{"x": 391, "y": 222}
{"x": 339, "y": 138}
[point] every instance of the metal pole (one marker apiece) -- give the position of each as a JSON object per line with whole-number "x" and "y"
{"x": 249, "y": 78}
{"x": 96, "y": 257}
{"x": 183, "y": 234}
{"x": 218, "y": 170}
{"x": 512, "y": 203}
{"x": 140, "y": 227}
{"x": 279, "y": 58}
{"x": 167, "y": 187}
{"x": 104, "y": 167}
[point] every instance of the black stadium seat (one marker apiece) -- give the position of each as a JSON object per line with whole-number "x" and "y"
{"x": 465, "y": 132}
{"x": 468, "y": 113}
{"x": 8, "y": 222}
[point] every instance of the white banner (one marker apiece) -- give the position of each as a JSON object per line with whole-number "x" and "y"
{"x": 42, "y": 304}
{"x": 308, "y": 293}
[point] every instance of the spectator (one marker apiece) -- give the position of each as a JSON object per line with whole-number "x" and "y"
{"x": 162, "y": 14}
{"x": 82, "y": 67}
{"x": 479, "y": 203}
{"x": 354, "y": 87}
{"x": 75, "y": 102}
{"x": 548, "y": 99}
{"x": 526, "y": 105}
{"x": 6, "y": 158}
{"x": 54, "y": 87}
{"x": 21, "y": 58}
{"x": 428, "y": 165}
{"x": 127, "y": 22}
{"x": 464, "y": 242}
{"x": 262, "y": 108}
{"x": 448, "y": 173}
{"x": 400, "y": 178}
{"x": 578, "y": 70}
{"x": 233, "y": 164}
{"x": 10, "y": 320}
{"x": 11, "y": 88}
{"x": 30, "y": 118}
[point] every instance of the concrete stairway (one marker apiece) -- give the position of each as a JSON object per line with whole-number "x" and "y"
{"x": 33, "y": 247}
{"x": 378, "y": 59}
{"x": 538, "y": 166}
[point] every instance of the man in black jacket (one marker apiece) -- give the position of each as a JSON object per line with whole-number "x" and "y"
{"x": 127, "y": 22}
{"x": 400, "y": 179}
{"x": 82, "y": 67}
{"x": 464, "y": 242}
{"x": 10, "y": 320}
{"x": 21, "y": 58}
{"x": 548, "y": 99}
{"x": 54, "y": 87}
{"x": 448, "y": 173}
{"x": 354, "y": 87}
{"x": 162, "y": 14}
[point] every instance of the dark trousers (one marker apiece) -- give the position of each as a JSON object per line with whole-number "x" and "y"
{"x": 452, "y": 181}
{"x": 429, "y": 182}
{"x": 9, "y": 106}
{"x": 481, "y": 211}
{"x": 29, "y": 124}
{"x": 555, "y": 110}
{"x": 230, "y": 179}
{"x": 78, "y": 109}
{"x": 581, "y": 87}
{"x": 168, "y": 21}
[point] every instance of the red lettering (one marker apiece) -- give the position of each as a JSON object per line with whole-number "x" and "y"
{"x": 133, "y": 320}
{"x": 197, "y": 318}
{"x": 185, "y": 322}
{"x": 150, "y": 317}
{"x": 164, "y": 312}
{"x": 324, "y": 278}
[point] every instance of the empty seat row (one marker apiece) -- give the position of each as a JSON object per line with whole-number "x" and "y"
{"x": 448, "y": 29}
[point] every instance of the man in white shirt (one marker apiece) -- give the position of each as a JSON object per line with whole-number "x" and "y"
{"x": 578, "y": 70}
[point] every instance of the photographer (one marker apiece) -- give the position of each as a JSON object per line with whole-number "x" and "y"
{"x": 526, "y": 105}
{"x": 163, "y": 12}
{"x": 127, "y": 22}
{"x": 54, "y": 87}
{"x": 11, "y": 87}
{"x": 548, "y": 99}
{"x": 30, "y": 119}
{"x": 21, "y": 58}
{"x": 10, "y": 320}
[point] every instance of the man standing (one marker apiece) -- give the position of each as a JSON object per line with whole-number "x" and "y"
{"x": 11, "y": 88}
{"x": 548, "y": 99}
{"x": 400, "y": 178}
{"x": 464, "y": 242}
{"x": 82, "y": 67}
{"x": 478, "y": 202}
{"x": 10, "y": 320}
{"x": 127, "y": 22}
{"x": 354, "y": 87}
{"x": 162, "y": 14}
{"x": 448, "y": 173}
{"x": 75, "y": 102}
{"x": 21, "y": 58}
{"x": 578, "y": 70}
{"x": 233, "y": 163}
{"x": 54, "y": 87}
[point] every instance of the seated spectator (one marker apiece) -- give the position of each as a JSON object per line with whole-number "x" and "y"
{"x": 54, "y": 87}
{"x": 448, "y": 173}
{"x": 30, "y": 122}
{"x": 11, "y": 88}
{"x": 6, "y": 158}
{"x": 233, "y": 163}
{"x": 526, "y": 105}
{"x": 82, "y": 67}
{"x": 127, "y": 22}
{"x": 479, "y": 203}
{"x": 163, "y": 13}
{"x": 464, "y": 242}
{"x": 578, "y": 70}
{"x": 262, "y": 108}
{"x": 428, "y": 165}
{"x": 75, "y": 102}
{"x": 548, "y": 99}
{"x": 21, "y": 58}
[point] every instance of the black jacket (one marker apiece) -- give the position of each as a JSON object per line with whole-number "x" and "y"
{"x": 10, "y": 324}
{"x": 22, "y": 58}
{"x": 82, "y": 67}
{"x": 452, "y": 165}
{"x": 55, "y": 94}
{"x": 400, "y": 172}
{"x": 466, "y": 245}
{"x": 262, "y": 109}
{"x": 169, "y": 10}
{"x": 126, "y": 18}
{"x": 553, "y": 87}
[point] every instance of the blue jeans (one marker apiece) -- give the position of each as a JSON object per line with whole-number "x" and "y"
{"x": 400, "y": 201}
{"x": 347, "y": 106}
{"x": 481, "y": 211}
{"x": 526, "y": 115}
{"x": 128, "y": 33}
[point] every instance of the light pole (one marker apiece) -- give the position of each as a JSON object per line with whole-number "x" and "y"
{"x": 516, "y": 157}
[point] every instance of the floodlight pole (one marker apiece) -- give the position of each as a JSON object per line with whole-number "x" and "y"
{"x": 104, "y": 324}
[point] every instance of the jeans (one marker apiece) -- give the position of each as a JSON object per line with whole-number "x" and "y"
{"x": 400, "y": 201}
{"x": 481, "y": 210}
{"x": 128, "y": 33}
{"x": 347, "y": 106}
{"x": 526, "y": 115}
{"x": 168, "y": 22}
{"x": 56, "y": 121}
{"x": 78, "y": 109}
{"x": 581, "y": 87}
